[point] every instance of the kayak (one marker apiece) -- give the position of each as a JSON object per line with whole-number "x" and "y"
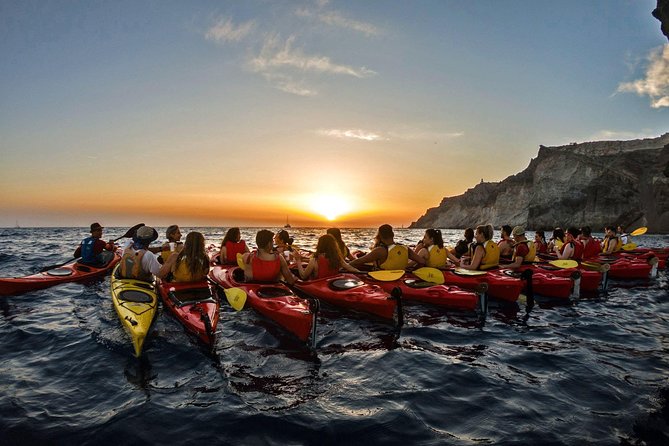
{"x": 500, "y": 286}
{"x": 625, "y": 268}
{"x": 348, "y": 291}
{"x": 448, "y": 296}
{"x": 194, "y": 304}
{"x": 547, "y": 284}
{"x": 136, "y": 304}
{"x": 71, "y": 272}
{"x": 591, "y": 281}
{"x": 275, "y": 301}
{"x": 643, "y": 254}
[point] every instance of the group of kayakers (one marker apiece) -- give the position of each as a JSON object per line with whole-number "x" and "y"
{"x": 270, "y": 261}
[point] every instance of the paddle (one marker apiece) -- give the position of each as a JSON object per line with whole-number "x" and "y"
{"x": 428, "y": 274}
{"x": 129, "y": 233}
{"x": 387, "y": 276}
{"x": 629, "y": 246}
{"x": 639, "y": 231}
{"x": 240, "y": 260}
{"x": 567, "y": 263}
{"x": 236, "y": 297}
{"x": 469, "y": 272}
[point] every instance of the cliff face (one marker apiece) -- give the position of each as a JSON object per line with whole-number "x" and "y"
{"x": 662, "y": 14}
{"x": 594, "y": 183}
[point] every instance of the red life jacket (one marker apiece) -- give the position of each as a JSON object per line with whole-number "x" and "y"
{"x": 265, "y": 270}
{"x": 324, "y": 268}
{"x": 592, "y": 248}
{"x": 577, "y": 246}
{"x": 232, "y": 249}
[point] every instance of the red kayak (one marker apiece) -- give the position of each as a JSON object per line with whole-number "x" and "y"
{"x": 500, "y": 285}
{"x": 547, "y": 284}
{"x": 348, "y": 291}
{"x": 643, "y": 254}
{"x": 415, "y": 289}
{"x": 625, "y": 268}
{"x": 71, "y": 272}
{"x": 275, "y": 301}
{"x": 194, "y": 304}
{"x": 591, "y": 281}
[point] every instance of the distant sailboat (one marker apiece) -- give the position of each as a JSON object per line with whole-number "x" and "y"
{"x": 17, "y": 225}
{"x": 287, "y": 225}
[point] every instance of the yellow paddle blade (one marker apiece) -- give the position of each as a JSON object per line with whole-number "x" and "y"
{"x": 640, "y": 231}
{"x": 469, "y": 272}
{"x": 564, "y": 263}
{"x": 236, "y": 297}
{"x": 629, "y": 246}
{"x": 387, "y": 276}
{"x": 428, "y": 274}
{"x": 240, "y": 260}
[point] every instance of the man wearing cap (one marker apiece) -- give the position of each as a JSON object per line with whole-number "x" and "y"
{"x": 93, "y": 251}
{"x": 524, "y": 250}
{"x": 138, "y": 262}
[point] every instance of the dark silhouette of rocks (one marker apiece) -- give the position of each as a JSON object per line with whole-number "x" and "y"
{"x": 592, "y": 183}
{"x": 661, "y": 12}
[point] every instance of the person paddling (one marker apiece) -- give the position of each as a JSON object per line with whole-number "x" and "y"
{"x": 266, "y": 265}
{"x": 326, "y": 261}
{"x": 572, "y": 247}
{"x": 232, "y": 245}
{"x": 173, "y": 243}
{"x": 191, "y": 264}
{"x": 486, "y": 251}
{"x": 612, "y": 242}
{"x": 386, "y": 254}
{"x": 524, "y": 250}
{"x": 93, "y": 251}
{"x": 138, "y": 262}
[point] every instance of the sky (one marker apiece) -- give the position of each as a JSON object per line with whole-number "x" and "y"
{"x": 346, "y": 113}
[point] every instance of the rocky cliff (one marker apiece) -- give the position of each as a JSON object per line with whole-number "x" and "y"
{"x": 662, "y": 14}
{"x": 592, "y": 183}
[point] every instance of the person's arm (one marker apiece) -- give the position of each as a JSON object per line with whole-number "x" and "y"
{"x": 476, "y": 260}
{"x": 348, "y": 267}
{"x": 223, "y": 256}
{"x": 285, "y": 271}
{"x": 77, "y": 252}
{"x": 167, "y": 267}
{"x": 371, "y": 257}
{"x": 567, "y": 252}
{"x": 418, "y": 258}
{"x": 305, "y": 273}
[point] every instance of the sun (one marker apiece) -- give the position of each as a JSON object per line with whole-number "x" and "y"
{"x": 330, "y": 206}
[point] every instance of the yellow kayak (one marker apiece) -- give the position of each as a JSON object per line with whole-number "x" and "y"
{"x": 136, "y": 303}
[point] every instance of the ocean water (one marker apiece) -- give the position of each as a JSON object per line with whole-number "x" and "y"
{"x": 593, "y": 371}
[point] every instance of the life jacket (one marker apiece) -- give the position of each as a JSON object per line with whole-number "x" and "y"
{"x": 436, "y": 257}
{"x": 616, "y": 240}
{"x": 324, "y": 268}
{"x": 183, "y": 274}
{"x": 532, "y": 253}
{"x": 591, "y": 248}
{"x": 131, "y": 265}
{"x": 542, "y": 247}
{"x": 577, "y": 254}
{"x": 491, "y": 257}
{"x": 265, "y": 270}
{"x": 398, "y": 257}
{"x": 88, "y": 250}
{"x": 232, "y": 249}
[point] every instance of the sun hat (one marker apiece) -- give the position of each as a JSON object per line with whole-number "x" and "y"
{"x": 518, "y": 230}
{"x": 146, "y": 234}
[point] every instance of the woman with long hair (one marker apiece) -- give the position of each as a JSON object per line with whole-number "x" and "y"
{"x": 540, "y": 242}
{"x": 232, "y": 245}
{"x": 431, "y": 249}
{"x": 325, "y": 262}
{"x": 345, "y": 252}
{"x": 486, "y": 252}
{"x": 192, "y": 263}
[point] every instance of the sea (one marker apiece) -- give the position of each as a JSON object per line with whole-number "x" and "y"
{"x": 590, "y": 371}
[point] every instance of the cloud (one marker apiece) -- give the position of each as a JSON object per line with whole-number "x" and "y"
{"x": 226, "y": 31}
{"x": 287, "y": 84}
{"x": 352, "y": 134}
{"x": 275, "y": 56}
{"x": 333, "y": 18}
{"x": 424, "y": 135}
{"x": 655, "y": 85}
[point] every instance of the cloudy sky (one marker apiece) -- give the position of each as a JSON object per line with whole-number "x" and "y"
{"x": 250, "y": 112}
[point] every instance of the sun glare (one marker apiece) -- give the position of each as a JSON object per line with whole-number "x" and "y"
{"x": 330, "y": 206}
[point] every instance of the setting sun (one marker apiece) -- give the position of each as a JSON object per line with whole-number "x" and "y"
{"x": 330, "y": 206}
